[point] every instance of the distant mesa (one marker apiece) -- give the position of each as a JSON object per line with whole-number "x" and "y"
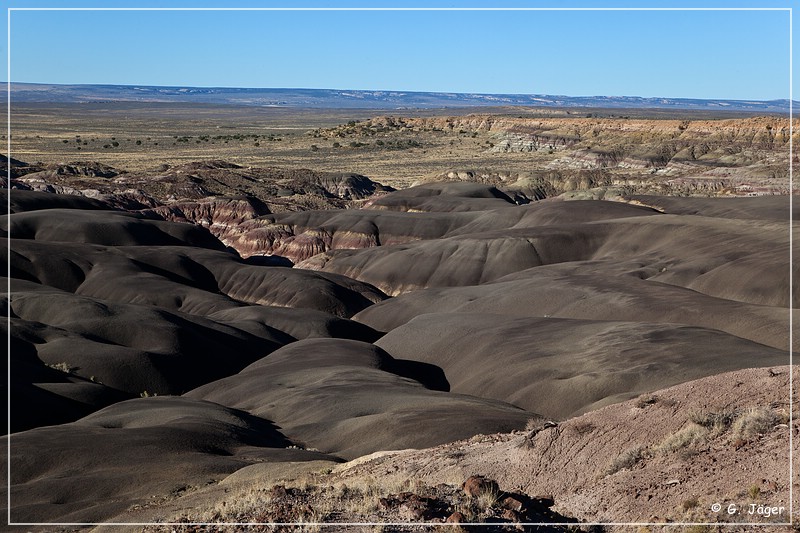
{"x": 330, "y": 98}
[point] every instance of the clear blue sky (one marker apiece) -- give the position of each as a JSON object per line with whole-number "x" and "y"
{"x": 692, "y": 54}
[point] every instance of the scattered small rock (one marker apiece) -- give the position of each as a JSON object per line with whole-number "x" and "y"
{"x": 510, "y": 514}
{"x": 410, "y": 506}
{"x": 512, "y": 503}
{"x": 474, "y": 486}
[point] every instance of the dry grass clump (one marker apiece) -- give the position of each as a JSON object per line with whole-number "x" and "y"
{"x": 309, "y": 518}
{"x": 756, "y": 421}
{"x": 583, "y": 426}
{"x": 739, "y": 425}
{"x": 627, "y": 459}
{"x": 233, "y": 509}
{"x": 533, "y": 423}
{"x": 717, "y": 422}
{"x": 743, "y": 425}
{"x": 690, "y": 436}
{"x": 487, "y": 499}
{"x": 647, "y": 399}
{"x": 690, "y": 503}
{"x": 360, "y": 497}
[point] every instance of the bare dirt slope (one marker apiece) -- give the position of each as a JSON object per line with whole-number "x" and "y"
{"x": 663, "y": 458}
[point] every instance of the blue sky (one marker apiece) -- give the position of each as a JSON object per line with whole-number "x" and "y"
{"x": 691, "y": 54}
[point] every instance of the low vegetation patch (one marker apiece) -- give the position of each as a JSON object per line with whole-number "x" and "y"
{"x": 739, "y": 426}
{"x": 690, "y": 503}
{"x": 310, "y": 502}
{"x": 715, "y": 421}
{"x": 583, "y": 426}
{"x": 627, "y": 459}
{"x": 729, "y": 426}
{"x": 646, "y": 400}
{"x": 690, "y": 436}
{"x": 756, "y": 421}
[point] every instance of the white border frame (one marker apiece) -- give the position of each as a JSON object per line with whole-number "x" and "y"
{"x": 421, "y": 524}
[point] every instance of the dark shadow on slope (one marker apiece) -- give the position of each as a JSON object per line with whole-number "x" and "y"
{"x": 431, "y": 376}
{"x": 268, "y": 260}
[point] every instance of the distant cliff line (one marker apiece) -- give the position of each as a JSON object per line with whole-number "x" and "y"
{"x": 334, "y": 98}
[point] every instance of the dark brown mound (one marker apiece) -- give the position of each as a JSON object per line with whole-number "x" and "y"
{"x": 464, "y": 260}
{"x": 281, "y": 188}
{"x": 444, "y": 197}
{"x": 17, "y": 168}
{"x": 222, "y": 177}
{"x": 550, "y": 213}
{"x": 351, "y": 398}
{"x": 299, "y": 323}
{"x": 132, "y": 348}
{"x": 184, "y": 278}
{"x": 591, "y": 291}
{"x": 91, "y": 169}
{"x": 385, "y": 227}
{"x": 564, "y": 367}
{"x": 330, "y": 184}
{"x": 287, "y": 287}
{"x": 113, "y": 228}
{"x": 44, "y": 395}
{"x": 299, "y": 236}
{"x": 223, "y": 211}
{"x": 756, "y": 208}
{"x": 101, "y": 465}
{"x": 21, "y": 201}
{"x": 742, "y": 260}
{"x": 222, "y": 215}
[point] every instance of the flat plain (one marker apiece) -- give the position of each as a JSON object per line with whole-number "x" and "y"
{"x": 418, "y": 145}
{"x": 504, "y": 316}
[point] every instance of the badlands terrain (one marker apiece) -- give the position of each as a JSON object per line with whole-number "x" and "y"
{"x": 512, "y": 316}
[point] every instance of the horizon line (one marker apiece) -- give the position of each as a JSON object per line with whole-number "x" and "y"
{"x": 415, "y": 91}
